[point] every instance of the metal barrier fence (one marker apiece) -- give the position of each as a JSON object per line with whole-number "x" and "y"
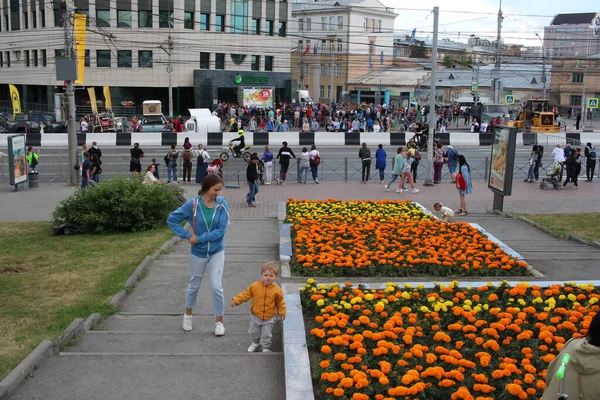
{"x": 54, "y": 168}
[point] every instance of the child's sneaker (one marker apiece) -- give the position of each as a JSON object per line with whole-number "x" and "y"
{"x": 187, "y": 323}
{"x": 386, "y": 187}
{"x": 266, "y": 351}
{"x": 400, "y": 190}
{"x": 219, "y": 329}
{"x": 253, "y": 347}
{"x": 415, "y": 190}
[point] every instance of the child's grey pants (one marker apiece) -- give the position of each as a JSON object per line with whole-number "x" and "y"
{"x": 260, "y": 331}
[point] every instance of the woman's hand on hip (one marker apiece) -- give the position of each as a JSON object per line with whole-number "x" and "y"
{"x": 192, "y": 240}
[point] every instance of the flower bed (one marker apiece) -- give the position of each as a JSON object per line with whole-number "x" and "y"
{"x": 409, "y": 342}
{"x": 387, "y": 238}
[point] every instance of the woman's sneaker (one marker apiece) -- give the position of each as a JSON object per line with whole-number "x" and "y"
{"x": 187, "y": 323}
{"x": 266, "y": 351}
{"x": 386, "y": 187}
{"x": 253, "y": 347}
{"x": 219, "y": 329}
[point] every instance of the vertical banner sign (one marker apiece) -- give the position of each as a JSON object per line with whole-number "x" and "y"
{"x": 17, "y": 163}
{"x": 107, "y": 99}
{"x": 16, "y": 100}
{"x": 93, "y": 103}
{"x": 79, "y": 23}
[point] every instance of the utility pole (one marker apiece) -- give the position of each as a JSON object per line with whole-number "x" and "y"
{"x": 496, "y": 75}
{"x": 433, "y": 88}
{"x": 583, "y": 100}
{"x": 72, "y": 134}
{"x": 169, "y": 50}
{"x": 543, "y": 66}
{"x": 332, "y": 74}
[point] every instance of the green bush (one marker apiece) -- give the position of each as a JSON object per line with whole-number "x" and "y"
{"x": 119, "y": 205}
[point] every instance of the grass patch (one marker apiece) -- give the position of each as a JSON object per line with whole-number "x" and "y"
{"x": 46, "y": 281}
{"x": 568, "y": 224}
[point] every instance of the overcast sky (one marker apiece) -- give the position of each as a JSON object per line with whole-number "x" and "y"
{"x": 522, "y": 19}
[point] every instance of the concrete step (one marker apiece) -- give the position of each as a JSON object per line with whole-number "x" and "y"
{"x": 94, "y": 377}
{"x": 235, "y": 321}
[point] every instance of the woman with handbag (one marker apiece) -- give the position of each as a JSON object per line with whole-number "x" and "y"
{"x": 463, "y": 183}
{"x": 208, "y": 214}
{"x": 582, "y": 371}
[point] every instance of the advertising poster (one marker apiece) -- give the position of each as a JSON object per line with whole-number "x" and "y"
{"x": 503, "y": 154}
{"x": 17, "y": 163}
{"x": 261, "y": 98}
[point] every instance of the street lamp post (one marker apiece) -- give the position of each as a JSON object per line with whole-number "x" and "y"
{"x": 543, "y": 65}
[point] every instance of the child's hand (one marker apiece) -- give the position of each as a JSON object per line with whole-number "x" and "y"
{"x": 282, "y": 317}
{"x": 233, "y": 303}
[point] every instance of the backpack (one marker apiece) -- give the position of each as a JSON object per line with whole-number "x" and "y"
{"x": 167, "y": 158}
{"x": 593, "y": 153}
{"x": 453, "y": 155}
{"x": 187, "y": 156}
{"x": 315, "y": 160}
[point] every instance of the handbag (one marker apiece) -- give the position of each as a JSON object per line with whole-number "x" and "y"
{"x": 461, "y": 183}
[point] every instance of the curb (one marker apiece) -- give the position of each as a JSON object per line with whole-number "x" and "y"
{"x": 77, "y": 327}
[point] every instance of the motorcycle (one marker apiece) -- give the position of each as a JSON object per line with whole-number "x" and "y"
{"x": 420, "y": 139}
{"x": 224, "y": 156}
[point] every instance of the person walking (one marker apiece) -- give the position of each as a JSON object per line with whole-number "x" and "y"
{"x": 86, "y": 170}
{"x": 558, "y": 156}
{"x": 284, "y": 155}
{"x": 187, "y": 160}
{"x": 406, "y": 174}
{"x": 267, "y": 160}
{"x": 438, "y": 163}
{"x": 397, "y": 167}
{"x": 208, "y": 215}
{"x": 135, "y": 164}
{"x": 95, "y": 150}
{"x": 304, "y": 165}
{"x": 202, "y": 158}
{"x": 252, "y": 179}
{"x": 571, "y": 166}
{"x": 365, "y": 157}
{"x": 380, "y": 161}
{"x": 581, "y": 373}
{"x": 590, "y": 161}
{"x": 463, "y": 183}
{"x": 538, "y": 162}
{"x": 315, "y": 160}
{"x": 416, "y": 155}
{"x": 532, "y": 161}
{"x": 96, "y": 168}
{"x": 171, "y": 159}
{"x": 577, "y": 120}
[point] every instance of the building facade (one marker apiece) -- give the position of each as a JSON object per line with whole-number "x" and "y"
{"x": 338, "y": 41}
{"x": 573, "y": 35}
{"x": 128, "y": 44}
{"x": 571, "y": 78}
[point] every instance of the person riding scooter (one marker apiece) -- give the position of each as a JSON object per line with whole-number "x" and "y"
{"x": 237, "y": 149}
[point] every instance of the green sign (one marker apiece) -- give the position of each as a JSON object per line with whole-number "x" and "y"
{"x": 473, "y": 86}
{"x": 509, "y": 99}
{"x": 592, "y": 102}
{"x": 251, "y": 80}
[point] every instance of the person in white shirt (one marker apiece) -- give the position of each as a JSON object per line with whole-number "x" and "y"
{"x": 149, "y": 178}
{"x": 445, "y": 212}
{"x": 315, "y": 160}
{"x": 558, "y": 154}
{"x": 484, "y": 126}
{"x": 84, "y": 126}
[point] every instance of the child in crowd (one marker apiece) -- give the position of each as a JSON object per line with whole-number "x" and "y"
{"x": 267, "y": 304}
{"x": 445, "y": 212}
{"x": 156, "y": 165}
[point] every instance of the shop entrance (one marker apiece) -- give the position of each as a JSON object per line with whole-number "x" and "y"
{"x": 228, "y": 95}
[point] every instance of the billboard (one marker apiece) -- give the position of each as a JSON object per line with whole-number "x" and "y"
{"x": 503, "y": 157}
{"x": 261, "y": 98}
{"x": 17, "y": 163}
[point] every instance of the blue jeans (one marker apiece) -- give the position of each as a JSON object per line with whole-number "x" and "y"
{"x": 394, "y": 177}
{"x": 381, "y": 174}
{"x": 314, "y": 169}
{"x": 250, "y": 197}
{"x": 303, "y": 174}
{"x": 198, "y": 266}
{"x": 84, "y": 182}
{"x": 172, "y": 171}
{"x": 96, "y": 178}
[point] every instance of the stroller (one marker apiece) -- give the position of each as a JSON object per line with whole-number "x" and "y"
{"x": 216, "y": 167}
{"x": 552, "y": 178}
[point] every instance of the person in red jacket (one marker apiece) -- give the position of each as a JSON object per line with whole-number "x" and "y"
{"x": 177, "y": 125}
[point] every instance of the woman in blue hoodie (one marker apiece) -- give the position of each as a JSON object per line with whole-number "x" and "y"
{"x": 208, "y": 214}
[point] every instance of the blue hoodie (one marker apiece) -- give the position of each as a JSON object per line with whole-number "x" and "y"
{"x": 210, "y": 239}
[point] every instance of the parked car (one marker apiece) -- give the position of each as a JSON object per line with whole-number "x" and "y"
{"x": 153, "y": 123}
{"x": 37, "y": 117}
{"x": 23, "y": 126}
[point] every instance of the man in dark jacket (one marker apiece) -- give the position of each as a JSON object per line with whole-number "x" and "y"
{"x": 95, "y": 150}
{"x": 365, "y": 156}
{"x": 284, "y": 155}
{"x": 590, "y": 162}
{"x": 252, "y": 178}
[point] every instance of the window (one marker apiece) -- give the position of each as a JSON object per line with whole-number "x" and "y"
{"x": 103, "y": 18}
{"x": 34, "y": 55}
{"x": 103, "y": 58}
{"x": 331, "y": 23}
{"x": 328, "y": 91}
{"x": 219, "y": 23}
{"x": 145, "y": 58}
{"x": 306, "y": 69}
{"x": 124, "y": 58}
{"x": 256, "y": 26}
{"x": 44, "y": 58}
{"x": 237, "y": 59}
{"x": 33, "y": 19}
{"x": 323, "y": 23}
{"x": 371, "y": 47}
{"x": 338, "y": 69}
{"x": 8, "y": 58}
{"x": 86, "y": 59}
{"x": 1, "y": 60}
{"x": 300, "y": 24}
{"x": 124, "y": 19}
{"x": 239, "y": 16}
{"x": 145, "y": 19}
{"x": 204, "y": 22}
{"x": 577, "y": 77}
{"x": 25, "y": 20}
{"x": 378, "y": 25}
{"x": 204, "y": 60}
{"x": 308, "y": 24}
{"x": 269, "y": 28}
{"x": 340, "y": 22}
{"x": 27, "y": 60}
{"x": 323, "y": 69}
{"x": 366, "y": 24}
{"x": 165, "y": 19}
{"x": 340, "y": 46}
{"x": 188, "y": 20}
{"x": 268, "y": 63}
{"x": 323, "y": 45}
{"x": 219, "y": 61}
{"x": 59, "y": 53}
{"x": 321, "y": 91}
{"x": 575, "y": 100}
{"x": 329, "y": 69}
{"x": 255, "y": 63}
{"x": 331, "y": 46}
{"x": 43, "y": 17}
{"x": 282, "y": 26}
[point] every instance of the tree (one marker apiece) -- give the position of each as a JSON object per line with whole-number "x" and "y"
{"x": 447, "y": 62}
{"x": 418, "y": 51}
{"x": 465, "y": 60}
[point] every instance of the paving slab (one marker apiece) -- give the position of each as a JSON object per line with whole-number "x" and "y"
{"x": 231, "y": 377}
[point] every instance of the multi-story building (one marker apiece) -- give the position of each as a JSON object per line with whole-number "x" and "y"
{"x": 572, "y": 35}
{"x": 218, "y": 48}
{"x": 571, "y": 78}
{"x": 339, "y": 41}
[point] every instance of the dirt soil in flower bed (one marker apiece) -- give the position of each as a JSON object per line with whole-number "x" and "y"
{"x": 392, "y": 239}
{"x": 406, "y": 342}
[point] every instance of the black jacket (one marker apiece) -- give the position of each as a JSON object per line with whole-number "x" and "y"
{"x": 97, "y": 152}
{"x": 285, "y": 153}
{"x": 252, "y": 172}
